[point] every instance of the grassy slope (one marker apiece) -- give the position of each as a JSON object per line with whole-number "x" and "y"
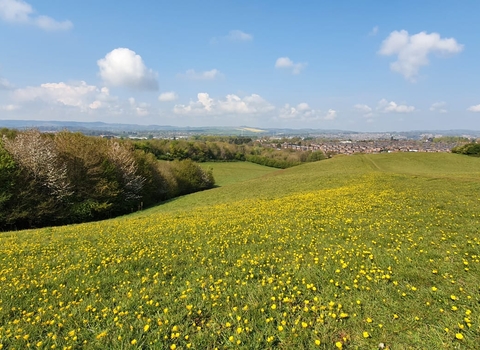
{"x": 226, "y": 173}
{"x": 352, "y": 250}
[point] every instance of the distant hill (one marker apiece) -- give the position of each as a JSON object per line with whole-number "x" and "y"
{"x": 119, "y": 128}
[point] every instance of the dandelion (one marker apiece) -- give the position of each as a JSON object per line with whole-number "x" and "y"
{"x": 101, "y": 335}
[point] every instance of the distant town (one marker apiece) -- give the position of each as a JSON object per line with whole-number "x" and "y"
{"x": 328, "y": 141}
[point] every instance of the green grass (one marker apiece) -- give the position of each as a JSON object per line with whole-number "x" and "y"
{"x": 226, "y": 173}
{"x": 347, "y": 252}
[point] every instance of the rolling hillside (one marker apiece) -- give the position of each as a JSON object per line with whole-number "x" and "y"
{"x": 344, "y": 253}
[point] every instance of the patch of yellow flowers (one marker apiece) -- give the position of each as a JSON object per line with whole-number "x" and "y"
{"x": 302, "y": 270}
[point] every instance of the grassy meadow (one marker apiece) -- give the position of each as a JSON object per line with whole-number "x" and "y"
{"x": 345, "y": 253}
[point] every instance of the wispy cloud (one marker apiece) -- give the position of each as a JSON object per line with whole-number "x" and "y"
{"x": 475, "y": 108}
{"x": 19, "y": 11}
{"x": 374, "y": 31}
{"x": 167, "y": 96}
{"x": 233, "y": 36}
{"x": 287, "y": 63}
{"x": 205, "y": 75}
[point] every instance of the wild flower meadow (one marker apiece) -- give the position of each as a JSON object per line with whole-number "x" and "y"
{"x": 388, "y": 258}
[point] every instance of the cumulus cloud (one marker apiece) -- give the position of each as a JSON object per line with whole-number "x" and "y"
{"x": 385, "y": 106}
{"x": 475, "y": 108}
{"x": 438, "y": 107}
{"x": 230, "y": 105}
{"x": 205, "y": 75}
{"x": 331, "y": 114}
{"x": 374, "y": 31}
{"x": 19, "y": 11}
{"x": 304, "y": 113}
{"x": 5, "y": 84}
{"x": 123, "y": 67}
{"x": 80, "y": 95}
{"x": 412, "y": 51}
{"x": 141, "y": 109}
{"x": 167, "y": 96}
{"x": 287, "y": 63}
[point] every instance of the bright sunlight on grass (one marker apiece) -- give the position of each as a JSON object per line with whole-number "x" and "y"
{"x": 344, "y": 253}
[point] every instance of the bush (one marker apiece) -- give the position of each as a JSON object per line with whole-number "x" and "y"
{"x": 69, "y": 178}
{"x": 470, "y": 149}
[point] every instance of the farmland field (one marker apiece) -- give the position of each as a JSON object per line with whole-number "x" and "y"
{"x": 344, "y": 253}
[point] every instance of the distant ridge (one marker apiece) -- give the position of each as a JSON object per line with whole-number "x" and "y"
{"x": 99, "y": 127}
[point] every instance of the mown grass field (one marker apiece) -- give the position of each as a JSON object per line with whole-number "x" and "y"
{"x": 227, "y": 173}
{"x": 345, "y": 253}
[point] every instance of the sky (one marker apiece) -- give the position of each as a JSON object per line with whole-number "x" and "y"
{"x": 349, "y": 65}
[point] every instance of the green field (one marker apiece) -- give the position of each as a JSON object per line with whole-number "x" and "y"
{"x": 226, "y": 173}
{"x": 345, "y": 253}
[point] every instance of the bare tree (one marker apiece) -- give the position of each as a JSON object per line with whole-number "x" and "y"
{"x": 125, "y": 163}
{"x": 37, "y": 154}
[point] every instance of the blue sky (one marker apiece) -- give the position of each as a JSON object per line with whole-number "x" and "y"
{"x": 350, "y": 65}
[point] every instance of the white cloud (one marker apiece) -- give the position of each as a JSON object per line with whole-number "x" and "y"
{"x": 123, "y": 67}
{"x": 19, "y": 11}
{"x": 234, "y": 36}
{"x": 205, "y": 75}
{"x": 385, "y": 106}
{"x": 79, "y": 95}
{"x": 374, "y": 31}
{"x": 167, "y": 96}
{"x": 5, "y": 84}
{"x": 285, "y": 62}
{"x": 141, "y": 109}
{"x": 438, "y": 107}
{"x": 303, "y": 113}
{"x": 474, "y": 108}
{"x": 238, "y": 35}
{"x": 231, "y": 105}
{"x": 9, "y": 108}
{"x": 363, "y": 108}
{"x": 412, "y": 51}
{"x": 331, "y": 114}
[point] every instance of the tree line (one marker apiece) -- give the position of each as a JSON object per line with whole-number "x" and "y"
{"x": 63, "y": 178}
{"x": 204, "y": 149}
